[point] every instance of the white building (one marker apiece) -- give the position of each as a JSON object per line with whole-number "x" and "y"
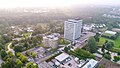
{"x": 50, "y": 41}
{"x": 63, "y": 58}
{"x": 72, "y": 29}
{"x": 110, "y": 32}
{"x": 91, "y": 64}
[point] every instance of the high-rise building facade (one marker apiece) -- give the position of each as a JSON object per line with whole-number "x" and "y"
{"x": 72, "y": 29}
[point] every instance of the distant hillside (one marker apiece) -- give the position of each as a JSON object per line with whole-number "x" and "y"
{"x": 48, "y": 15}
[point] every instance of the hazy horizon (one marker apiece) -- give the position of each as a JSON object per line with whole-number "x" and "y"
{"x": 54, "y": 3}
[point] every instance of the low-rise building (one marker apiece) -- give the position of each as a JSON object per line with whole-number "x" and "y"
{"x": 110, "y": 32}
{"x": 63, "y": 58}
{"x": 91, "y": 64}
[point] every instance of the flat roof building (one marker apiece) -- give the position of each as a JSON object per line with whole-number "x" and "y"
{"x": 72, "y": 29}
{"x": 63, "y": 58}
{"x": 91, "y": 64}
{"x": 110, "y": 32}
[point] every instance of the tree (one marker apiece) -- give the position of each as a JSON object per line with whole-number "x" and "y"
{"x": 118, "y": 53}
{"x": 107, "y": 56}
{"x": 27, "y": 53}
{"x": 24, "y": 59}
{"x": 97, "y": 37}
{"x": 11, "y": 61}
{"x": 109, "y": 45}
{"x": 19, "y": 63}
{"x": 66, "y": 49}
{"x": 18, "y": 54}
{"x": 91, "y": 46}
{"x": 10, "y": 54}
{"x": 18, "y": 48}
{"x": 81, "y": 54}
{"x": 31, "y": 65}
{"x": 1, "y": 46}
{"x": 3, "y": 65}
{"x": 103, "y": 48}
{"x": 7, "y": 38}
{"x": 3, "y": 53}
{"x": 33, "y": 54}
{"x": 116, "y": 58}
{"x": 26, "y": 45}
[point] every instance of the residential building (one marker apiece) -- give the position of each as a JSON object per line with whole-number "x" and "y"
{"x": 51, "y": 41}
{"x": 72, "y": 29}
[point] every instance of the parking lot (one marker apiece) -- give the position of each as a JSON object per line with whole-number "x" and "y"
{"x": 83, "y": 39}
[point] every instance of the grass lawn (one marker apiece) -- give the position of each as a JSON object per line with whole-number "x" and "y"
{"x": 108, "y": 34}
{"x": 116, "y": 42}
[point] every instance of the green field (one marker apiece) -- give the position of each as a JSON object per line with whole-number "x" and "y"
{"x": 116, "y": 42}
{"x": 108, "y": 34}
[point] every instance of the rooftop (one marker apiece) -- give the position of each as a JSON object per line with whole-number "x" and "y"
{"x": 91, "y": 64}
{"x": 62, "y": 57}
{"x": 74, "y": 20}
{"x": 110, "y": 32}
{"x": 52, "y": 36}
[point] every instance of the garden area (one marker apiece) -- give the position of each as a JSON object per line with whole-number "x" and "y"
{"x": 116, "y": 41}
{"x": 82, "y": 54}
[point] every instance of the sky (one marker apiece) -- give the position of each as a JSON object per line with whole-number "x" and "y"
{"x": 53, "y": 3}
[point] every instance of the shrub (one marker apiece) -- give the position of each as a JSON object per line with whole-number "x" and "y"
{"x": 107, "y": 56}
{"x": 116, "y": 58}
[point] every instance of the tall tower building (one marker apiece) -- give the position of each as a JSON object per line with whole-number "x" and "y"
{"x": 72, "y": 29}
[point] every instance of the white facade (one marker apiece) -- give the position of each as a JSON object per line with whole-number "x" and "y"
{"x": 72, "y": 29}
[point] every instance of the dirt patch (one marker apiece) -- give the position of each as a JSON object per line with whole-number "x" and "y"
{"x": 108, "y": 64}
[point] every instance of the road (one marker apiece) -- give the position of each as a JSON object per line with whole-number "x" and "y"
{"x": 9, "y": 49}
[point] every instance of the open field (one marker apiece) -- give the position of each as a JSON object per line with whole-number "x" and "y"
{"x": 116, "y": 42}
{"x": 108, "y": 34}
